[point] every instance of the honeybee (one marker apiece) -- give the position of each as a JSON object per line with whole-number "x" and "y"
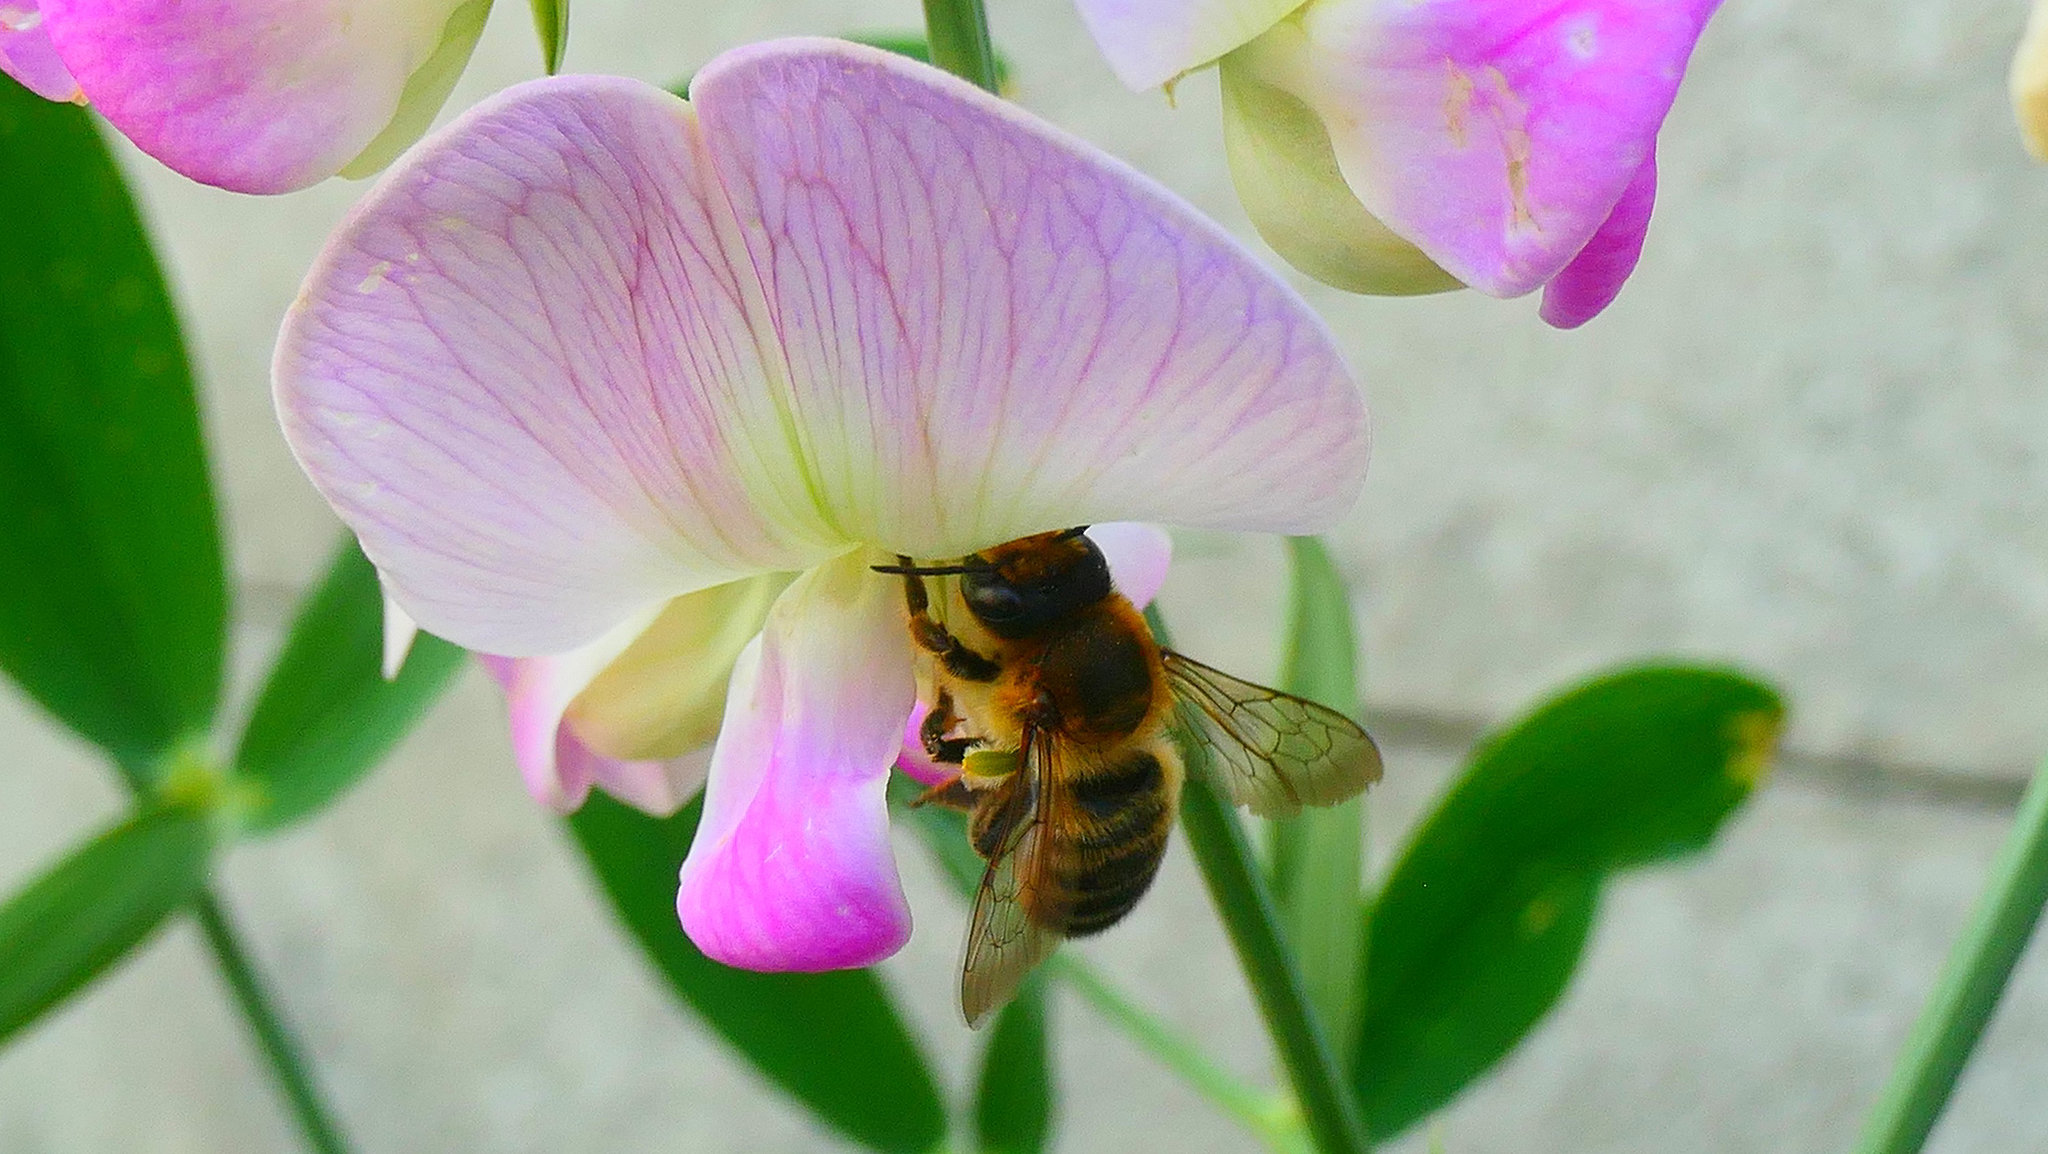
{"x": 1057, "y": 705}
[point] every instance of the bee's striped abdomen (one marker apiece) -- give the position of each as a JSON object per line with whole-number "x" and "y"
{"x": 1118, "y": 814}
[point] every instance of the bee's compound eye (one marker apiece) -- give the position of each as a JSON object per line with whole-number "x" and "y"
{"x": 991, "y": 598}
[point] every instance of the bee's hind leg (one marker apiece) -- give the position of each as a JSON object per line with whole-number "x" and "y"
{"x": 935, "y": 639}
{"x": 951, "y": 793}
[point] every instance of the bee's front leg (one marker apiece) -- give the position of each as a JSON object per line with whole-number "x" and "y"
{"x": 939, "y": 722}
{"x": 932, "y": 637}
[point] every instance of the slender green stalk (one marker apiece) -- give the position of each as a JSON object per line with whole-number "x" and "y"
{"x": 1225, "y": 858}
{"x": 1971, "y": 982}
{"x": 1318, "y": 858}
{"x": 1230, "y": 871}
{"x": 957, "y": 31}
{"x": 1271, "y": 1117}
{"x": 272, "y": 1035}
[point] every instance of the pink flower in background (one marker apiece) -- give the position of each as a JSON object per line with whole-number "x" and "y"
{"x": 593, "y": 349}
{"x": 251, "y": 95}
{"x": 27, "y": 55}
{"x": 1405, "y": 146}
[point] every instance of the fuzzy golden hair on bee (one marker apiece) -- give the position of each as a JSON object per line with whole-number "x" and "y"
{"x": 1065, "y": 680}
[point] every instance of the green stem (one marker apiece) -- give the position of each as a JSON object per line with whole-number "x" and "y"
{"x": 1229, "y": 869}
{"x": 957, "y": 31}
{"x": 1318, "y": 858}
{"x": 1270, "y": 1117}
{"x": 1225, "y": 858}
{"x": 1970, "y": 985}
{"x": 279, "y": 1047}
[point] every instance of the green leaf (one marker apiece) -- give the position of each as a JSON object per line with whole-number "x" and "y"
{"x": 551, "y": 21}
{"x": 1318, "y": 858}
{"x": 326, "y": 715}
{"x": 834, "y": 1041}
{"x": 115, "y": 609}
{"x": 90, "y": 909}
{"x": 1482, "y": 922}
{"x": 1013, "y": 1100}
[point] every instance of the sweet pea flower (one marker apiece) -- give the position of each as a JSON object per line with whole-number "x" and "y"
{"x": 635, "y": 712}
{"x": 2029, "y": 82}
{"x": 1409, "y": 146}
{"x": 593, "y": 348}
{"x": 256, "y": 96}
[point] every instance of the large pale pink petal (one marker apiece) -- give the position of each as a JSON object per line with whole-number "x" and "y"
{"x": 1496, "y": 135}
{"x": 791, "y": 868}
{"x": 27, "y": 55}
{"x": 1139, "y": 554}
{"x": 1594, "y": 278}
{"x": 518, "y": 369}
{"x": 1149, "y": 42}
{"x": 557, "y": 766}
{"x": 268, "y": 96}
{"x": 994, "y": 329}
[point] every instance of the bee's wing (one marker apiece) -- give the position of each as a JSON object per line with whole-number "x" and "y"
{"x": 1269, "y": 750}
{"x": 1003, "y": 943}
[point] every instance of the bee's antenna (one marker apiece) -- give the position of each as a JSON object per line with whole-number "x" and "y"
{"x": 1070, "y": 534}
{"x": 927, "y": 570}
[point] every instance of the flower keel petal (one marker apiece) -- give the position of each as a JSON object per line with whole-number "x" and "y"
{"x": 538, "y": 691}
{"x": 1594, "y": 278}
{"x": 1496, "y": 136}
{"x": 664, "y": 694}
{"x": 791, "y": 868}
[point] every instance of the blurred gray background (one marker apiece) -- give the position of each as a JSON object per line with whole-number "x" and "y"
{"x": 1805, "y": 440}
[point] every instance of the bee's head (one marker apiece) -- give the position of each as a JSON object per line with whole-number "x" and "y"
{"x": 1019, "y": 588}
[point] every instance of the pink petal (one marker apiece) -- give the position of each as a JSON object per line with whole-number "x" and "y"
{"x": 1594, "y": 278}
{"x": 1150, "y": 42}
{"x": 657, "y": 786}
{"x": 993, "y": 329}
{"x": 560, "y": 774}
{"x": 791, "y": 868}
{"x": 558, "y": 768}
{"x": 1496, "y": 135}
{"x": 913, "y": 761}
{"x": 517, "y": 368}
{"x": 554, "y": 371}
{"x": 1139, "y": 555}
{"x": 255, "y": 97}
{"x": 26, "y": 54}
